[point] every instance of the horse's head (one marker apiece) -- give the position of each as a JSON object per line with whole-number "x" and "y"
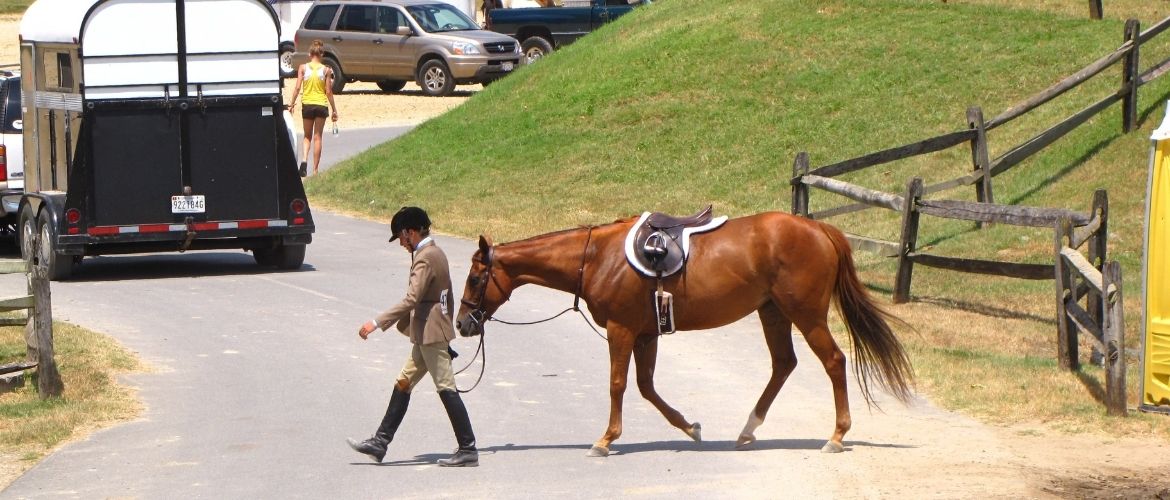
{"x": 483, "y": 292}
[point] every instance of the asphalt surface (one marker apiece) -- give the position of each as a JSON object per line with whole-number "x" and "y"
{"x": 259, "y": 376}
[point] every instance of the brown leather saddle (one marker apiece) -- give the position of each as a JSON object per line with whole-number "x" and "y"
{"x": 658, "y": 244}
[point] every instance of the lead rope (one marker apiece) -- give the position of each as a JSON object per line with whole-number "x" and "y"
{"x": 576, "y": 295}
{"x": 482, "y": 366}
{"x": 576, "y": 307}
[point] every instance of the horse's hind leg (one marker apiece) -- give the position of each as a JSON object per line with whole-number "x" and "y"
{"x": 645, "y": 358}
{"x": 816, "y": 332}
{"x": 778, "y": 335}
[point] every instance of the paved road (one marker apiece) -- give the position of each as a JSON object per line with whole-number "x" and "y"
{"x": 258, "y": 378}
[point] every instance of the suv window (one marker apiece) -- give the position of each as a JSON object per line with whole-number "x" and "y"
{"x": 389, "y": 19}
{"x": 321, "y": 17}
{"x": 440, "y": 17}
{"x": 11, "y": 111}
{"x": 357, "y": 18}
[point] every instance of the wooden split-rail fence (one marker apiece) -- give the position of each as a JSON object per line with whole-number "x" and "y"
{"x": 37, "y": 317}
{"x": 1100, "y": 289}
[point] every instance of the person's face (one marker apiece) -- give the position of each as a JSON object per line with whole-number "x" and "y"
{"x": 408, "y": 238}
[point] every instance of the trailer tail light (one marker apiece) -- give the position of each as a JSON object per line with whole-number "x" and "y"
{"x": 298, "y": 209}
{"x": 72, "y": 217}
{"x": 3, "y": 162}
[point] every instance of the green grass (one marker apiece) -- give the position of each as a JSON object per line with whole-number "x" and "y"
{"x": 14, "y": 6}
{"x": 686, "y": 103}
{"x": 88, "y": 362}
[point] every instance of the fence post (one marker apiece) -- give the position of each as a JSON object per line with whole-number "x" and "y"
{"x": 1098, "y": 246}
{"x": 1129, "y": 77}
{"x": 1095, "y": 10}
{"x": 32, "y": 352}
{"x": 800, "y": 189}
{"x": 41, "y": 320}
{"x": 1113, "y": 335}
{"x": 979, "y": 158}
{"x": 909, "y": 241}
{"x": 1066, "y": 337}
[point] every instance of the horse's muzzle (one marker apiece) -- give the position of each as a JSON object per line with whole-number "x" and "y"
{"x": 470, "y": 327}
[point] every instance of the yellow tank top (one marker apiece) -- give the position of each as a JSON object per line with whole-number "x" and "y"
{"x": 313, "y": 88}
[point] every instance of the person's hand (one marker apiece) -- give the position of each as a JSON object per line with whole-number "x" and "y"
{"x": 366, "y": 329}
{"x": 291, "y": 105}
{"x": 335, "y": 116}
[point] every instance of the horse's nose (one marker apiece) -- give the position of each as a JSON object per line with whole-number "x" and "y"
{"x": 458, "y": 325}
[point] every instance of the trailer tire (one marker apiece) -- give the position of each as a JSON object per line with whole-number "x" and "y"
{"x": 26, "y": 233}
{"x": 55, "y": 266}
{"x": 289, "y": 256}
{"x": 265, "y": 257}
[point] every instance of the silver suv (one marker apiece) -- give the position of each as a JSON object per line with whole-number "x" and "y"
{"x": 393, "y": 41}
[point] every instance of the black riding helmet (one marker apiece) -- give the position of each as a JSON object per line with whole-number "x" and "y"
{"x": 408, "y": 218}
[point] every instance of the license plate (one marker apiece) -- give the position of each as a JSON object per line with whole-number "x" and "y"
{"x": 188, "y": 204}
{"x": 506, "y": 65}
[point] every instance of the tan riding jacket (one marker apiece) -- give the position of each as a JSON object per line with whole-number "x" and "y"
{"x": 425, "y": 314}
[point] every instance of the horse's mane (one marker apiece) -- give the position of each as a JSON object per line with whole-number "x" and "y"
{"x": 563, "y": 231}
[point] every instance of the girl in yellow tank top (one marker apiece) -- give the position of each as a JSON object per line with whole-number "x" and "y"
{"x": 314, "y": 87}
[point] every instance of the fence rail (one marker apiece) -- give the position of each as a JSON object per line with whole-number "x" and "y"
{"x": 1102, "y": 316}
{"x": 38, "y": 321}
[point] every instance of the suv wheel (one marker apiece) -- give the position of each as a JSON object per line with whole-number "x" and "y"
{"x": 338, "y": 76}
{"x": 435, "y": 79}
{"x": 391, "y": 85}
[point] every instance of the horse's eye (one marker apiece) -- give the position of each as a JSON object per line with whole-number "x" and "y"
{"x": 473, "y": 281}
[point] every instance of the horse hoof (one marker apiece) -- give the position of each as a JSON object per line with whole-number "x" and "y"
{"x": 696, "y": 432}
{"x": 597, "y": 451}
{"x": 831, "y": 447}
{"x": 745, "y": 440}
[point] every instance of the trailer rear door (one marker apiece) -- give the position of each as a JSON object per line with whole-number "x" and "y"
{"x": 189, "y": 99}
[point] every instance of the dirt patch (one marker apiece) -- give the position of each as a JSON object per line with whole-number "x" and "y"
{"x": 1089, "y": 466}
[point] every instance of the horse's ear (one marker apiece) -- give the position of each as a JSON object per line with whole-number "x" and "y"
{"x": 485, "y": 244}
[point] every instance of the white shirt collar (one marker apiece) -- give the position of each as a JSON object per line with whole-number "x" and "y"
{"x": 425, "y": 241}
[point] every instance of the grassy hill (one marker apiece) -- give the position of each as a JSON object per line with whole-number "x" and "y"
{"x": 684, "y": 103}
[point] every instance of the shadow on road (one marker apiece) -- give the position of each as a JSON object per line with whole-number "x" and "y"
{"x": 146, "y": 267}
{"x": 704, "y": 446}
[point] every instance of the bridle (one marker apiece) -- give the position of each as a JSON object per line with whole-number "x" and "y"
{"x": 478, "y": 317}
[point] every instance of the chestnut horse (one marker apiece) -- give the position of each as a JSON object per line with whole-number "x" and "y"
{"x": 783, "y": 267}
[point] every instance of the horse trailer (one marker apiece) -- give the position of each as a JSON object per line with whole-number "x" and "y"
{"x": 154, "y": 126}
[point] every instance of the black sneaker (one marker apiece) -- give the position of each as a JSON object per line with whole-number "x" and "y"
{"x": 304, "y": 168}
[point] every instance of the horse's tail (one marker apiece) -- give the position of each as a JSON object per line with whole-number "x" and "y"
{"x": 875, "y": 348}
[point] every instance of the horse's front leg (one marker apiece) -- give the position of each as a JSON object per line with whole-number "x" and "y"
{"x": 645, "y": 358}
{"x": 621, "y": 343}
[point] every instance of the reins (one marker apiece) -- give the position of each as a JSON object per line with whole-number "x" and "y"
{"x": 576, "y": 295}
{"x": 576, "y": 307}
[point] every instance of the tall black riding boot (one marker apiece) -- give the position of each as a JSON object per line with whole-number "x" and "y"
{"x": 466, "y": 455}
{"x": 375, "y": 447}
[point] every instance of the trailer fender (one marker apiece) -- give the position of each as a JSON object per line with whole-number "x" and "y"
{"x": 42, "y": 206}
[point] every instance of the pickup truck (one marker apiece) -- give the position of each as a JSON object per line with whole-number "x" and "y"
{"x": 541, "y": 30}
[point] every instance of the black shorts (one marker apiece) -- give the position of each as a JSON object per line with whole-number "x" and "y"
{"x": 312, "y": 111}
